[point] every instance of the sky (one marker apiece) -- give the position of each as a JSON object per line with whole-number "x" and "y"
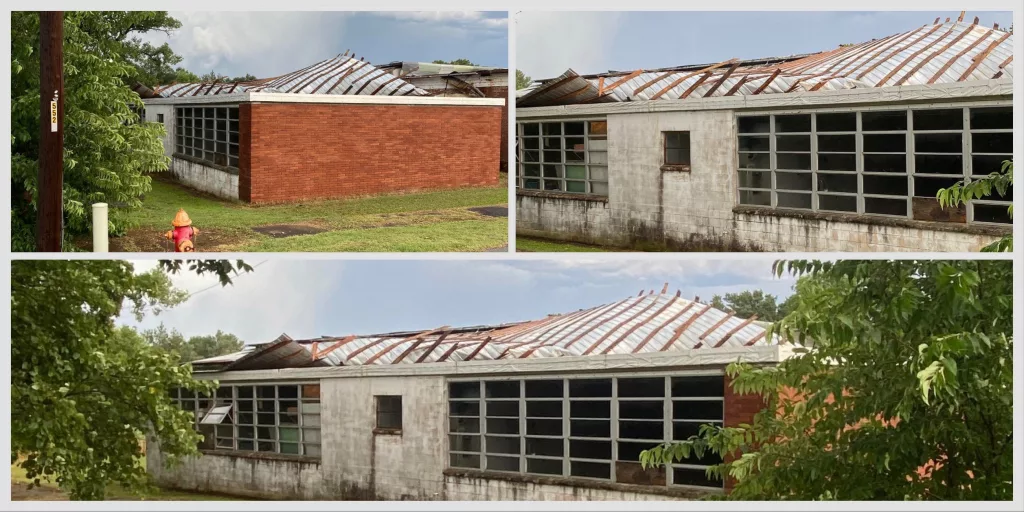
{"x": 312, "y": 298}
{"x": 267, "y": 44}
{"x": 549, "y": 43}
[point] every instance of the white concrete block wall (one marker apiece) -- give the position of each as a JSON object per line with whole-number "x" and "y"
{"x": 207, "y": 179}
{"x": 152, "y": 115}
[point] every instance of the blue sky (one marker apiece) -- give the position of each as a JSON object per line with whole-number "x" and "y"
{"x": 311, "y": 298}
{"x": 268, "y": 44}
{"x": 548, "y": 43}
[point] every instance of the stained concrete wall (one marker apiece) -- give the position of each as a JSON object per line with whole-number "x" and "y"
{"x": 651, "y": 208}
{"x": 208, "y": 179}
{"x": 152, "y": 115}
{"x": 468, "y": 488}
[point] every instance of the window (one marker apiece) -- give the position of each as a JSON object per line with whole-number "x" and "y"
{"x": 582, "y": 428}
{"x": 209, "y": 134}
{"x": 389, "y": 412}
{"x": 677, "y": 150}
{"x": 160, "y": 118}
{"x": 258, "y": 418}
{"x": 876, "y": 162}
{"x": 564, "y": 156}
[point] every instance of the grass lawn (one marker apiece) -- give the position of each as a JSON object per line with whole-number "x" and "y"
{"x": 49, "y": 492}
{"x": 438, "y": 221}
{"x": 525, "y": 244}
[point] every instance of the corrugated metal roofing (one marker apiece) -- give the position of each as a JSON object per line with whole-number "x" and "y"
{"x": 948, "y": 52}
{"x": 655, "y": 322}
{"x": 339, "y": 75}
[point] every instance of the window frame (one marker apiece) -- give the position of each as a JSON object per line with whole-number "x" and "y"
{"x": 185, "y": 138}
{"x": 232, "y": 443}
{"x": 676, "y": 166}
{"x": 587, "y": 163}
{"x": 614, "y": 421}
{"x": 379, "y": 410}
{"x": 910, "y": 153}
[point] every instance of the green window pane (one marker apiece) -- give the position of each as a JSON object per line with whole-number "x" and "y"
{"x": 576, "y": 186}
{"x": 575, "y": 172}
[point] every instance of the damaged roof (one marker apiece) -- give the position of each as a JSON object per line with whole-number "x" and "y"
{"x": 646, "y": 323}
{"x": 339, "y": 75}
{"x": 952, "y": 51}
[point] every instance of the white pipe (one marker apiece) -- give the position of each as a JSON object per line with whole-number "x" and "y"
{"x": 99, "y": 227}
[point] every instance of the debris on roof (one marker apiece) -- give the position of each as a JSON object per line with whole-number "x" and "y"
{"x": 947, "y": 52}
{"x": 646, "y": 323}
{"x": 429, "y": 68}
{"x": 343, "y": 74}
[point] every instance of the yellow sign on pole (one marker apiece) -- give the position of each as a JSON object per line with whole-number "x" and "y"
{"x": 53, "y": 116}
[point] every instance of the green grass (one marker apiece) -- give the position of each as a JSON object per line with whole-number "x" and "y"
{"x": 524, "y": 244}
{"x": 437, "y": 221}
{"x": 48, "y": 491}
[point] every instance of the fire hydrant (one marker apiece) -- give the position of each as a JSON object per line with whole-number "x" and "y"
{"x": 183, "y": 234}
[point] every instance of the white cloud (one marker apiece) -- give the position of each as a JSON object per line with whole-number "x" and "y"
{"x": 467, "y": 18}
{"x": 548, "y": 43}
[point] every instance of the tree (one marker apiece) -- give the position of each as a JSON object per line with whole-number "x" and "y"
{"x": 456, "y": 62}
{"x": 83, "y": 391}
{"x": 907, "y": 393}
{"x": 749, "y": 303}
{"x": 522, "y": 80}
{"x": 107, "y": 152}
{"x": 193, "y": 348}
{"x": 962, "y": 193}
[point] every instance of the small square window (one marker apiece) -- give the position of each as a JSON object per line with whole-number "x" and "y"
{"x": 677, "y": 150}
{"x": 160, "y": 118}
{"x": 389, "y": 412}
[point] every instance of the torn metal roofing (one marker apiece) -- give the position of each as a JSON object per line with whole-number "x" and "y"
{"x": 953, "y": 51}
{"x": 646, "y": 323}
{"x": 340, "y": 75}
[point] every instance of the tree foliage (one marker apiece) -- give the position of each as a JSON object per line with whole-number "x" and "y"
{"x": 962, "y": 193}
{"x": 748, "y": 303}
{"x": 906, "y": 394}
{"x": 107, "y": 152}
{"x": 456, "y": 62}
{"x": 213, "y": 76}
{"x": 522, "y": 80}
{"x": 193, "y": 348}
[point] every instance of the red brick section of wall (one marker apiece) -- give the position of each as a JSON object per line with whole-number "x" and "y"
{"x": 501, "y": 92}
{"x": 739, "y": 409}
{"x": 296, "y": 151}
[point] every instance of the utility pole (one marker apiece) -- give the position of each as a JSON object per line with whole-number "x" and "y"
{"x": 50, "y": 205}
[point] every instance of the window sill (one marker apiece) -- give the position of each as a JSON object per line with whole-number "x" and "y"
{"x": 381, "y": 431}
{"x": 686, "y": 493}
{"x": 675, "y": 168}
{"x": 971, "y": 229}
{"x": 261, "y": 455}
{"x": 561, "y": 195}
{"x": 206, "y": 163}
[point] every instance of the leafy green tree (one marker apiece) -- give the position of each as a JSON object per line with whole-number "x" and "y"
{"x": 906, "y": 394}
{"x": 107, "y": 152}
{"x": 193, "y": 348}
{"x": 83, "y": 391}
{"x": 522, "y": 80}
{"x": 749, "y": 303}
{"x": 962, "y": 193}
{"x": 456, "y": 62}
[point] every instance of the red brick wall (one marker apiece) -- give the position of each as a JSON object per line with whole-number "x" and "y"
{"x": 739, "y": 409}
{"x": 295, "y": 151}
{"x": 501, "y": 92}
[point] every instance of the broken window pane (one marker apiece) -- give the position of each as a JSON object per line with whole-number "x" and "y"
{"x": 846, "y": 183}
{"x": 750, "y": 143}
{"x": 531, "y": 129}
{"x": 756, "y": 197}
{"x": 464, "y": 390}
{"x": 755, "y": 179}
{"x": 799, "y": 161}
{"x": 502, "y": 444}
{"x": 755, "y": 161}
{"x": 462, "y": 460}
{"x": 754, "y": 124}
{"x": 996, "y": 213}
{"x": 793, "y": 180}
{"x": 542, "y": 446}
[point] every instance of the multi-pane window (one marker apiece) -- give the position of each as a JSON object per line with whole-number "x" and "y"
{"x": 587, "y": 428}
{"x": 677, "y": 149}
{"x": 878, "y": 162}
{"x": 208, "y": 133}
{"x": 564, "y": 156}
{"x": 389, "y": 412}
{"x": 258, "y": 418}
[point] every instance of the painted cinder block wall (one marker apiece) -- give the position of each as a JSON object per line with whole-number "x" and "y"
{"x": 298, "y": 151}
{"x": 697, "y": 210}
{"x": 359, "y": 464}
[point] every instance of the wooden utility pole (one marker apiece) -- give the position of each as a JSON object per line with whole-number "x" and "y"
{"x": 50, "y": 205}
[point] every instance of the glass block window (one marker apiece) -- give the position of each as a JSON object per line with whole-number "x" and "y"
{"x": 563, "y": 156}
{"x": 209, "y": 134}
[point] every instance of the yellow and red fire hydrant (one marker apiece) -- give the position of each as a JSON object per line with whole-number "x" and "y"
{"x": 183, "y": 234}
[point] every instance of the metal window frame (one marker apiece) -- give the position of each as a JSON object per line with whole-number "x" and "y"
{"x": 910, "y": 133}
{"x": 588, "y": 181}
{"x": 235, "y": 399}
{"x": 665, "y": 147}
{"x": 185, "y": 145}
{"x": 614, "y": 419}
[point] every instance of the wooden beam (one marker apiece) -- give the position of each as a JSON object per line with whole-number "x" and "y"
{"x": 319, "y": 354}
{"x": 341, "y": 71}
{"x": 890, "y": 55}
{"x": 913, "y": 56}
{"x": 934, "y": 54}
{"x": 734, "y": 88}
{"x": 416, "y": 344}
{"x": 619, "y": 82}
{"x": 391, "y": 347}
{"x": 626, "y": 334}
{"x": 320, "y": 73}
{"x": 599, "y": 324}
{"x": 369, "y": 78}
{"x": 955, "y": 58}
{"x": 734, "y": 330}
{"x": 450, "y": 351}
{"x": 695, "y": 85}
{"x": 755, "y": 339}
{"x": 889, "y": 44}
{"x": 961, "y": 18}
{"x": 432, "y": 347}
{"x": 764, "y": 85}
{"x": 682, "y": 328}
{"x": 653, "y": 81}
{"x": 478, "y": 349}
{"x": 712, "y": 329}
{"x": 981, "y": 56}
{"x": 580, "y": 317}
{"x": 344, "y": 75}
{"x": 618, "y": 326}
{"x": 690, "y": 75}
{"x": 722, "y": 79}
